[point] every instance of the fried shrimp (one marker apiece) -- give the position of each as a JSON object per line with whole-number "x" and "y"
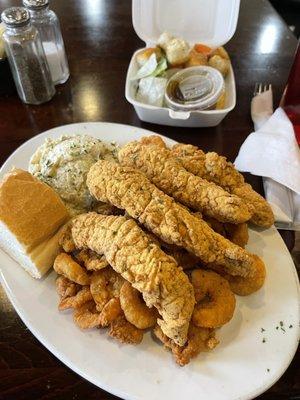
{"x": 168, "y": 174}
{"x": 199, "y": 340}
{"x": 86, "y": 316}
{"x": 66, "y": 266}
{"x": 105, "y": 285}
{"x": 124, "y": 331}
{"x": 135, "y": 309}
{"x": 237, "y": 234}
{"x": 215, "y": 300}
{"x": 110, "y": 312}
{"x": 217, "y": 226}
{"x": 76, "y": 301}
{"x": 65, "y": 238}
{"x": 65, "y": 288}
{"x": 183, "y": 258}
{"x": 245, "y": 286}
{"x": 91, "y": 260}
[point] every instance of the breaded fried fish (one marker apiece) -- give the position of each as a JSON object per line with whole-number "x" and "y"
{"x": 140, "y": 261}
{"x": 130, "y": 189}
{"x": 168, "y": 174}
{"x": 217, "y": 169}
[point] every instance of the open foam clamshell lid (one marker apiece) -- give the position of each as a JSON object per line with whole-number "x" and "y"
{"x": 211, "y": 22}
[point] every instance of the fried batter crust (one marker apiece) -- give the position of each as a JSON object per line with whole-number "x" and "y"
{"x": 86, "y": 316}
{"x": 111, "y": 311}
{"x": 65, "y": 239}
{"x": 237, "y": 234}
{"x": 66, "y": 288}
{"x": 168, "y": 174}
{"x": 105, "y": 285}
{"x": 199, "y": 340}
{"x": 124, "y": 331}
{"x": 135, "y": 309}
{"x": 81, "y": 297}
{"x": 131, "y": 190}
{"x": 91, "y": 260}
{"x": 66, "y": 266}
{"x": 141, "y": 262}
{"x": 217, "y": 169}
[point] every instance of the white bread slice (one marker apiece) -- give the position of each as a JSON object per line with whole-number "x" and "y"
{"x": 38, "y": 261}
{"x": 31, "y": 214}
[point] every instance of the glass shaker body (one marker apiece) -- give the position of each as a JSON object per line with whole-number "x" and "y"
{"x": 47, "y": 23}
{"x": 28, "y": 63}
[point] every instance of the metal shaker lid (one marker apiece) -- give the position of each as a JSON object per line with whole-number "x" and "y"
{"x": 35, "y": 4}
{"x": 194, "y": 88}
{"x": 15, "y": 16}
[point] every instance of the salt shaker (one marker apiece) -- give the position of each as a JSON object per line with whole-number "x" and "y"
{"x": 47, "y": 23}
{"x": 26, "y": 57}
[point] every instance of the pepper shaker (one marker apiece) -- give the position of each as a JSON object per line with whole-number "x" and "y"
{"x": 47, "y": 23}
{"x": 26, "y": 57}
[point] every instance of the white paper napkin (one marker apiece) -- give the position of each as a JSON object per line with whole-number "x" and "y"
{"x": 272, "y": 151}
{"x": 285, "y": 204}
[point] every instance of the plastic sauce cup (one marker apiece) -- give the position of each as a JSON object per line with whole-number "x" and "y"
{"x": 194, "y": 88}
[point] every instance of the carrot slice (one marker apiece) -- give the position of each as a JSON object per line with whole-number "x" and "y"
{"x": 201, "y": 48}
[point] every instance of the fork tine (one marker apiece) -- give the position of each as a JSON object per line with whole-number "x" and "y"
{"x": 261, "y": 87}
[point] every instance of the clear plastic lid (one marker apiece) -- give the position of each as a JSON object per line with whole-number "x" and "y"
{"x": 194, "y": 88}
{"x": 212, "y": 22}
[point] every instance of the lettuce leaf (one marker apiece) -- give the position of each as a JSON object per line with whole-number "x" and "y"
{"x": 147, "y": 69}
{"x": 161, "y": 67}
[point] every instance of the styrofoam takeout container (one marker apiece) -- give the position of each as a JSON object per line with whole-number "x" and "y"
{"x": 211, "y": 22}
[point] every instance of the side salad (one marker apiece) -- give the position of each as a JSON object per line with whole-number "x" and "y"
{"x": 156, "y": 65}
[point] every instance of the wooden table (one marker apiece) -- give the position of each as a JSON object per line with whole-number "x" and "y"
{"x": 100, "y": 40}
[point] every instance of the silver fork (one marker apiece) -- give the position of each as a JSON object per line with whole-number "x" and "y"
{"x": 261, "y": 106}
{"x": 261, "y": 87}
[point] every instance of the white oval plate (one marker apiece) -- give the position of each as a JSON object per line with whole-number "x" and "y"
{"x": 247, "y": 361}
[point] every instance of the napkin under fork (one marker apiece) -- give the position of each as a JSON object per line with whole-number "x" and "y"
{"x": 273, "y": 153}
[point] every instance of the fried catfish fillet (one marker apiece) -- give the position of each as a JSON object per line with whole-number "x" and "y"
{"x": 217, "y": 169}
{"x": 168, "y": 174}
{"x": 141, "y": 262}
{"x": 130, "y": 189}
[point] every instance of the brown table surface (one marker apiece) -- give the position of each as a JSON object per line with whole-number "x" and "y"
{"x": 100, "y": 40}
